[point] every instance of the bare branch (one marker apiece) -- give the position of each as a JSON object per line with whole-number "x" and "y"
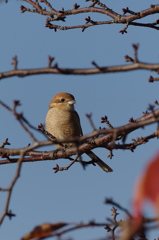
{"x": 101, "y": 138}
{"x": 5, "y": 143}
{"x": 116, "y": 18}
{"x": 6, "y": 211}
{"x": 84, "y": 71}
{"x": 19, "y": 116}
{"x": 57, "y": 168}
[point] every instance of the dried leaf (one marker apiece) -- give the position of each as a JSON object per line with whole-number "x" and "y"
{"x": 43, "y": 230}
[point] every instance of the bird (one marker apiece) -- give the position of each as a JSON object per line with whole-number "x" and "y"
{"x": 63, "y": 122}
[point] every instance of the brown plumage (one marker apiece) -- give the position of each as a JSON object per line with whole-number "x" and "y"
{"x": 62, "y": 121}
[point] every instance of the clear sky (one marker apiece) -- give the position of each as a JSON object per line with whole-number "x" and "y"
{"x": 75, "y": 195}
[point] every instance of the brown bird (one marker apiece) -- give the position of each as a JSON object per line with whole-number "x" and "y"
{"x": 62, "y": 121}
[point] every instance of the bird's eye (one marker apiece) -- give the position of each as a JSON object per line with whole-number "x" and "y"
{"x": 62, "y": 99}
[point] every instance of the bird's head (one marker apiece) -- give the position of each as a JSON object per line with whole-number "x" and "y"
{"x": 63, "y": 101}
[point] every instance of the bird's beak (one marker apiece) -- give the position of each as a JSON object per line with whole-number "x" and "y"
{"x": 71, "y": 102}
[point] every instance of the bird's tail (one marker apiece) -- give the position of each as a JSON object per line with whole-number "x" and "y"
{"x": 98, "y": 161}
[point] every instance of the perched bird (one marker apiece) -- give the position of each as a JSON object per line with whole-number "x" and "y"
{"x": 62, "y": 121}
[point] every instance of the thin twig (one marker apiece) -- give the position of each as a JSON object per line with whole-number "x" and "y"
{"x": 57, "y": 168}
{"x": 6, "y": 211}
{"x": 20, "y": 118}
{"x": 110, "y": 201}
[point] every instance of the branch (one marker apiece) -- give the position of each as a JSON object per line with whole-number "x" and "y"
{"x": 6, "y": 211}
{"x": 101, "y": 138}
{"x": 116, "y": 18}
{"x": 58, "y": 229}
{"x": 84, "y": 71}
{"x": 135, "y": 65}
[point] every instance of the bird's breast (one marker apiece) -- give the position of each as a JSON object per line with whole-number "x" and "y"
{"x": 63, "y": 124}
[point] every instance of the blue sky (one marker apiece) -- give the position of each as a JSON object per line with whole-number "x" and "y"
{"x": 75, "y": 195}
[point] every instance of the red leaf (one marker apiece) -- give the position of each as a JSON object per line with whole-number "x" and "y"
{"x": 147, "y": 188}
